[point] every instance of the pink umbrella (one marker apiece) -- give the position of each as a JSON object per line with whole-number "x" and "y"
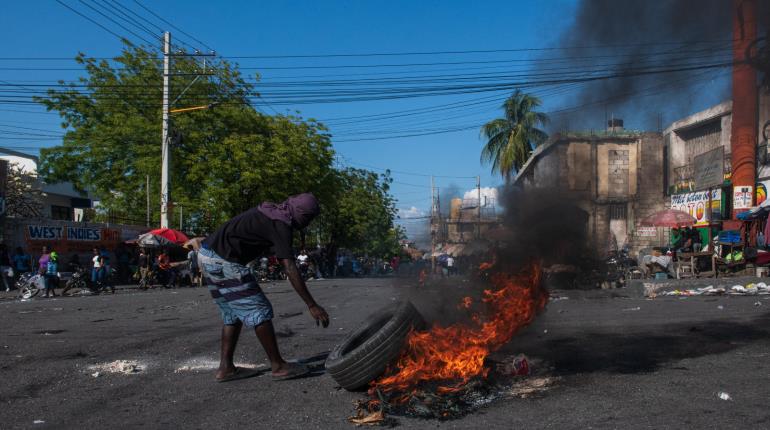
{"x": 669, "y": 218}
{"x": 173, "y": 236}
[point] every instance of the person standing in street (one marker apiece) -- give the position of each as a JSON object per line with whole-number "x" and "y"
{"x": 222, "y": 259}
{"x": 51, "y": 274}
{"x": 144, "y": 268}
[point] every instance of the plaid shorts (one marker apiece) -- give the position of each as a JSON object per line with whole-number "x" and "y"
{"x": 235, "y": 290}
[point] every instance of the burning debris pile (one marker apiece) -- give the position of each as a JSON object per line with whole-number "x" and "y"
{"x": 445, "y": 372}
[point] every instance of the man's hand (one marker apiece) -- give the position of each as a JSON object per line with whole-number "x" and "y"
{"x": 320, "y": 315}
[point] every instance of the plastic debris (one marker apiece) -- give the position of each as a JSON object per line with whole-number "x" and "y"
{"x": 372, "y": 419}
{"x": 532, "y": 386}
{"x": 516, "y": 366}
{"x": 38, "y": 422}
{"x": 720, "y": 307}
{"x": 757, "y": 303}
{"x": 633, "y": 309}
{"x": 95, "y": 374}
{"x": 759, "y": 288}
{"x": 724, "y": 396}
{"x": 125, "y": 367}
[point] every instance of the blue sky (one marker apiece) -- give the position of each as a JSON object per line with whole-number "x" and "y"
{"x": 44, "y": 28}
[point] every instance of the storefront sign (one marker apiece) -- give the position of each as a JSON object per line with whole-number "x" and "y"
{"x": 646, "y": 231}
{"x": 696, "y": 204}
{"x": 742, "y": 197}
{"x": 709, "y": 169}
{"x": 71, "y": 239}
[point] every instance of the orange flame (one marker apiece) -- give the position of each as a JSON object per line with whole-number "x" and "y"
{"x": 456, "y": 353}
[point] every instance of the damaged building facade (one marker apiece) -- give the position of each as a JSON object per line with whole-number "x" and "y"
{"x": 613, "y": 176}
{"x": 694, "y": 136}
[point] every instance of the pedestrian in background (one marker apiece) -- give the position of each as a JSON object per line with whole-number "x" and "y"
{"x": 144, "y": 268}
{"x": 97, "y": 267}
{"x": 6, "y": 270}
{"x": 51, "y": 274}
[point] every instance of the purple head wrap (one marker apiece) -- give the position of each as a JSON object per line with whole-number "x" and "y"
{"x": 297, "y": 211}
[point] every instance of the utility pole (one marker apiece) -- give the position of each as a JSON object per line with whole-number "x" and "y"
{"x": 147, "y": 190}
{"x": 433, "y": 230}
{"x": 165, "y": 198}
{"x": 478, "y": 194}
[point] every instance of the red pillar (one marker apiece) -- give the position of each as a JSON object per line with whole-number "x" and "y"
{"x": 743, "y": 136}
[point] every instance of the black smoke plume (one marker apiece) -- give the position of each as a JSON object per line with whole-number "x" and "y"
{"x": 629, "y": 37}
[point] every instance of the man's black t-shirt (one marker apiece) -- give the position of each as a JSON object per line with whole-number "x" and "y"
{"x": 249, "y": 235}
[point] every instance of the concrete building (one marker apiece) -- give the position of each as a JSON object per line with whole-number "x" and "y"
{"x": 60, "y": 201}
{"x": 699, "y": 133}
{"x": 614, "y": 176}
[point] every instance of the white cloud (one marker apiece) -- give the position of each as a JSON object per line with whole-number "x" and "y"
{"x": 412, "y": 212}
{"x": 488, "y": 195}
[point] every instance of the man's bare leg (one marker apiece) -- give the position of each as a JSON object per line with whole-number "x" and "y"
{"x": 266, "y": 335}
{"x": 230, "y": 335}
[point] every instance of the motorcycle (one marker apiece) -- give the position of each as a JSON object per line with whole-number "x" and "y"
{"x": 30, "y": 284}
{"x": 619, "y": 267}
{"x": 76, "y": 281}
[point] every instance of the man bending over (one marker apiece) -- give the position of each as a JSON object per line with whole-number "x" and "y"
{"x": 222, "y": 261}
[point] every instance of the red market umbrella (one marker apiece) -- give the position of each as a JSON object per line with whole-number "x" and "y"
{"x": 173, "y": 236}
{"x": 669, "y": 218}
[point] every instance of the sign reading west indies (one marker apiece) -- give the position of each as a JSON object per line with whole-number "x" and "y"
{"x": 71, "y": 239}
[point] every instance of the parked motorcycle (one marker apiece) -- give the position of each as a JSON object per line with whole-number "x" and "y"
{"x": 30, "y": 284}
{"x": 78, "y": 281}
{"x": 619, "y": 267}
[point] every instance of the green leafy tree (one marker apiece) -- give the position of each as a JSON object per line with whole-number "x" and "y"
{"x": 224, "y": 159}
{"x": 511, "y": 139}
{"x": 361, "y": 215}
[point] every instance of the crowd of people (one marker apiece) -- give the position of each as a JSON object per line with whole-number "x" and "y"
{"x": 167, "y": 267}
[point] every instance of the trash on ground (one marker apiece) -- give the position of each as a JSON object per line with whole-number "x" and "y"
{"x": 206, "y": 364}
{"x": 96, "y": 374}
{"x": 532, "y": 386}
{"x": 720, "y": 307}
{"x": 38, "y": 422}
{"x": 757, "y": 303}
{"x": 724, "y": 396}
{"x": 759, "y": 288}
{"x": 125, "y": 367}
{"x": 516, "y": 366}
{"x": 369, "y": 419}
{"x": 638, "y": 308}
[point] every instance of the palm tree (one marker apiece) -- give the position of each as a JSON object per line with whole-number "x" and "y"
{"x": 510, "y": 140}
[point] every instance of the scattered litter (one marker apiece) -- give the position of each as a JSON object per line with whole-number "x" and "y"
{"x": 518, "y": 366}
{"x": 531, "y": 386}
{"x": 720, "y": 307}
{"x": 363, "y": 419}
{"x": 757, "y": 303}
{"x": 95, "y": 374}
{"x": 557, "y": 298}
{"x": 198, "y": 364}
{"x": 545, "y": 331}
{"x": 760, "y": 288}
{"x": 724, "y": 396}
{"x": 125, "y": 367}
{"x": 638, "y": 308}
{"x": 38, "y": 422}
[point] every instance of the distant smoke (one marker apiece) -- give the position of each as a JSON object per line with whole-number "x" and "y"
{"x": 547, "y": 226}
{"x": 644, "y": 34}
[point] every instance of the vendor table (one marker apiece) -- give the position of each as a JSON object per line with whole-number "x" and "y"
{"x": 687, "y": 264}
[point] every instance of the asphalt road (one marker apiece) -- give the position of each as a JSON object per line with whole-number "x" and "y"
{"x": 622, "y": 362}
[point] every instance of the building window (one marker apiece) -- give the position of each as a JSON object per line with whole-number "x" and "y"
{"x": 61, "y": 213}
{"x": 618, "y": 212}
{"x": 618, "y": 172}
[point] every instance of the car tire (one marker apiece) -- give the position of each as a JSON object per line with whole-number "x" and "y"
{"x": 365, "y": 353}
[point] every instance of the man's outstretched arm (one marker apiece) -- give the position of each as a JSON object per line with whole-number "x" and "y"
{"x": 318, "y": 313}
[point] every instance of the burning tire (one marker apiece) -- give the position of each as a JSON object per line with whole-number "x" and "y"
{"x": 365, "y": 353}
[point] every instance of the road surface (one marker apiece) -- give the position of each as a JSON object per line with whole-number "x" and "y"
{"x": 623, "y": 362}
